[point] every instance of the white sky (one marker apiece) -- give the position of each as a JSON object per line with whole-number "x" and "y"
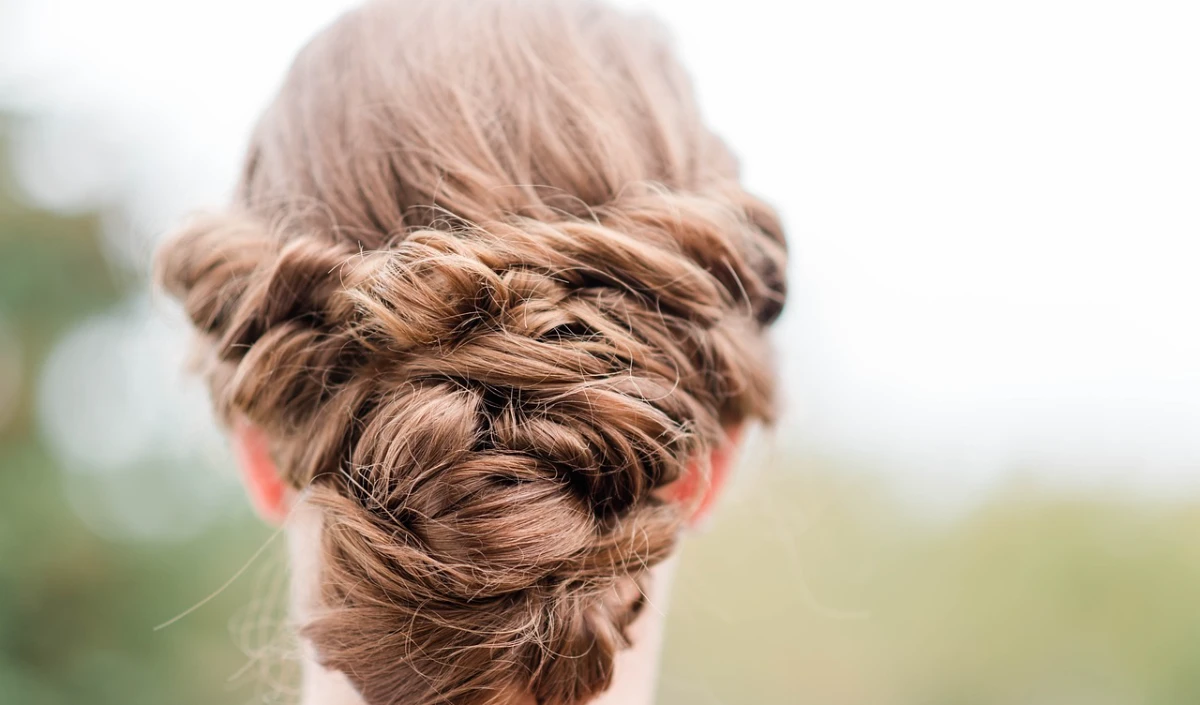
{"x": 994, "y": 208}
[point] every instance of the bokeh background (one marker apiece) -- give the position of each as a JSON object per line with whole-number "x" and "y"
{"x": 985, "y": 488}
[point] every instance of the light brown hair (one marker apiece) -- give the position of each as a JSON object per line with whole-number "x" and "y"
{"x": 488, "y": 285}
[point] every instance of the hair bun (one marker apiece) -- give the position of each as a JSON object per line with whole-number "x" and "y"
{"x": 485, "y": 415}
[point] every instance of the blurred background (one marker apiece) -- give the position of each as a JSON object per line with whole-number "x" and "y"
{"x": 985, "y": 488}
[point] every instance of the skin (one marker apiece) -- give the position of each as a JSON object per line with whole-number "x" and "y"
{"x": 636, "y": 668}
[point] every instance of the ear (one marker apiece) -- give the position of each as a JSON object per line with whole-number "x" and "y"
{"x": 720, "y": 462}
{"x": 266, "y": 488}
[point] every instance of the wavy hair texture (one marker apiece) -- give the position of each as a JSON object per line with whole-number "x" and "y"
{"x": 489, "y": 285}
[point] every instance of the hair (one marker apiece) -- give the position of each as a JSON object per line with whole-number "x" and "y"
{"x": 488, "y": 284}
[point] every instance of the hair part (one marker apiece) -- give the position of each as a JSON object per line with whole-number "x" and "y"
{"x": 488, "y": 285}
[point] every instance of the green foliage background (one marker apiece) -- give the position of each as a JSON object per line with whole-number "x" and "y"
{"x": 814, "y": 585}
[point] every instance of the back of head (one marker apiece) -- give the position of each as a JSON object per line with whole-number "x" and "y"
{"x": 488, "y": 286}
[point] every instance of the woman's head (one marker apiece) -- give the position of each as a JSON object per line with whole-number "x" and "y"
{"x": 488, "y": 289}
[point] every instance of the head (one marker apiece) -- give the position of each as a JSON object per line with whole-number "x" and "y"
{"x": 488, "y": 308}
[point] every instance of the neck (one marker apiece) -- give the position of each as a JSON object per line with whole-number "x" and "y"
{"x": 636, "y": 669}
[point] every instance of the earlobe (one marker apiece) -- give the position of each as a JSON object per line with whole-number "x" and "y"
{"x": 266, "y": 488}
{"x": 692, "y": 488}
{"x": 721, "y": 463}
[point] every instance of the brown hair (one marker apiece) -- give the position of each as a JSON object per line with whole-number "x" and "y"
{"x": 488, "y": 284}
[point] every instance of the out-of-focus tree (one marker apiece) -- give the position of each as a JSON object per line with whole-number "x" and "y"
{"x": 77, "y": 611}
